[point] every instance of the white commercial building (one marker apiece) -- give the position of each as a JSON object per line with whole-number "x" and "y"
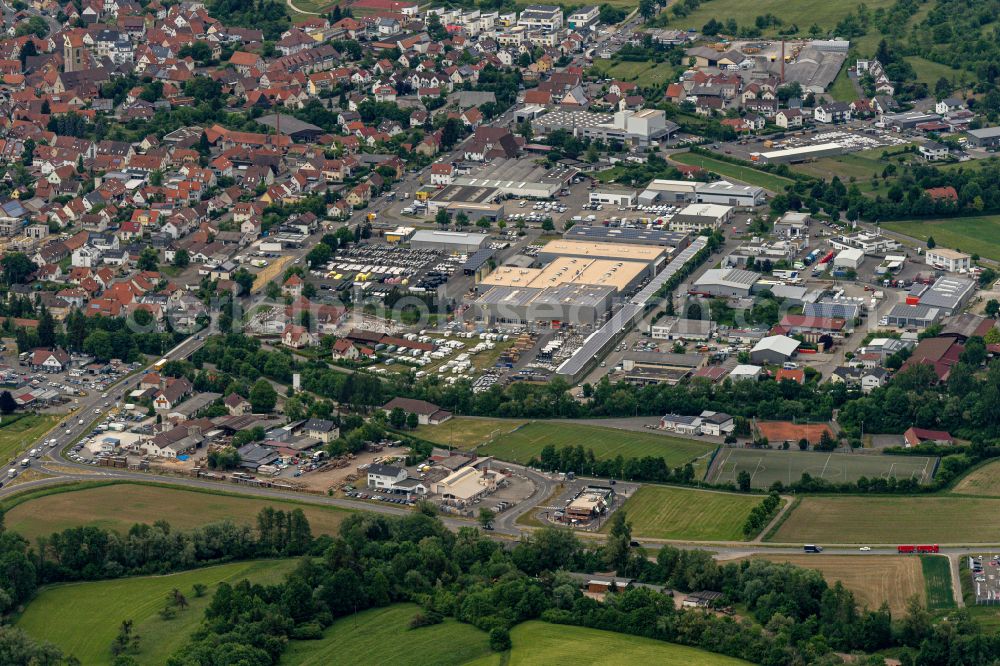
{"x": 949, "y": 260}
{"x": 613, "y": 197}
{"x": 448, "y": 241}
{"x": 745, "y": 372}
{"x": 730, "y": 194}
{"x": 645, "y": 122}
{"x": 695, "y": 217}
{"x": 849, "y": 258}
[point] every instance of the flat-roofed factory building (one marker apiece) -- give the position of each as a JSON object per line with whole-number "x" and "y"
{"x": 570, "y": 303}
{"x": 475, "y": 202}
{"x": 652, "y": 256}
{"x": 730, "y": 194}
{"x": 598, "y": 233}
{"x": 457, "y": 242}
{"x": 623, "y": 276}
{"x": 695, "y": 217}
{"x": 518, "y": 178}
{"x": 669, "y": 191}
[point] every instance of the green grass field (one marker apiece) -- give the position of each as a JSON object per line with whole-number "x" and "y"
{"x": 83, "y": 618}
{"x": 768, "y": 465}
{"x": 937, "y": 578}
{"x": 842, "y": 89}
{"x": 890, "y": 520}
{"x": 802, "y": 13}
{"x": 929, "y": 71}
{"x": 464, "y": 432}
{"x": 664, "y": 512}
{"x": 861, "y": 165}
{"x": 541, "y": 644}
{"x": 734, "y": 171}
{"x": 527, "y": 441}
{"x": 20, "y": 435}
{"x": 119, "y": 506}
{"x": 979, "y": 235}
{"x": 984, "y": 481}
{"x": 644, "y": 74}
{"x": 301, "y": 10}
{"x": 382, "y": 636}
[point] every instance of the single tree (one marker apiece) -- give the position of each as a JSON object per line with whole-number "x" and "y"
{"x": 181, "y": 258}
{"x": 397, "y": 418}
{"x": 486, "y": 517}
{"x": 7, "y": 403}
{"x": 148, "y": 259}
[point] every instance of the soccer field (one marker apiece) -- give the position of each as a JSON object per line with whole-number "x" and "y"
{"x": 767, "y": 466}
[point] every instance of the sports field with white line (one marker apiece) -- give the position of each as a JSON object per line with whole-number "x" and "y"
{"x": 768, "y": 465}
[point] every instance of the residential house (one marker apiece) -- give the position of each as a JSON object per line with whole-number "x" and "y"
{"x": 237, "y": 405}
{"x": 832, "y": 112}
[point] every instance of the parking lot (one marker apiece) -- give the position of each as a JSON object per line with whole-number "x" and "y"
{"x": 984, "y": 569}
{"x": 387, "y": 264}
{"x": 41, "y": 390}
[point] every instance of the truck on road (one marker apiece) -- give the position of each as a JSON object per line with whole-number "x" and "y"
{"x": 907, "y": 549}
{"x": 811, "y": 548}
{"x": 26, "y": 462}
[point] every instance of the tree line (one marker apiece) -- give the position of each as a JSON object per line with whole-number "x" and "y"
{"x": 795, "y": 617}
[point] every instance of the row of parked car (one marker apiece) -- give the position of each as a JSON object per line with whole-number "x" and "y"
{"x": 381, "y": 498}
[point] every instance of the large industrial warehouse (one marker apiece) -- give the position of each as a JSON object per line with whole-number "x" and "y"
{"x": 623, "y": 276}
{"x": 518, "y": 178}
{"x": 598, "y": 233}
{"x": 652, "y": 256}
{"x": 732, "y": 282}
{"x": 576, "y": 304}
{"x": 457, "y": 242}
